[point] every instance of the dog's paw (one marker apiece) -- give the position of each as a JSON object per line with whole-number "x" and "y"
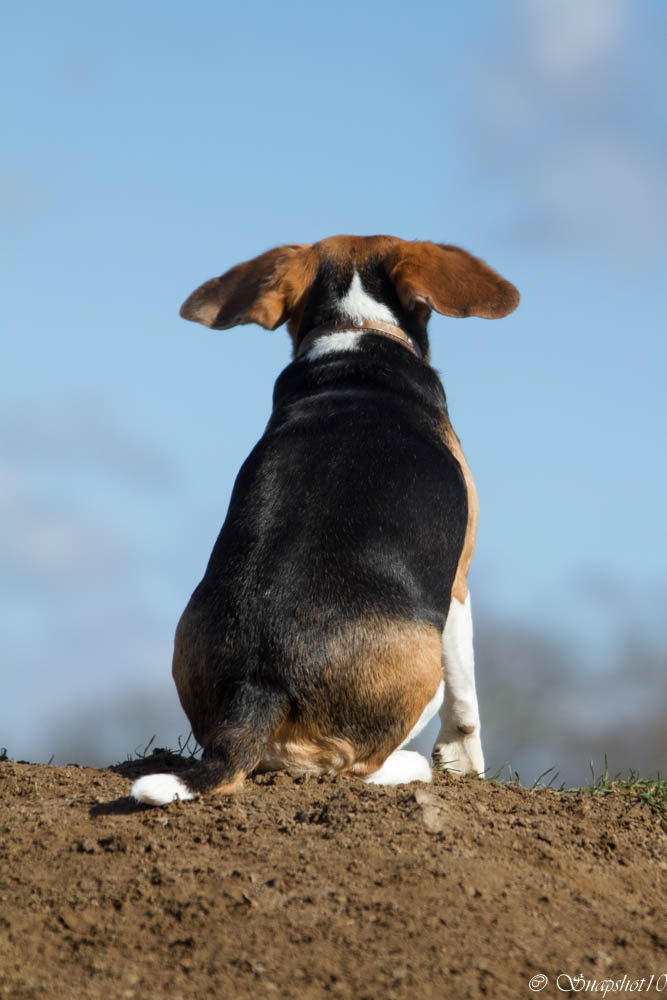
{"x": 401, "y": 767}
{"x": 460, "y": 755}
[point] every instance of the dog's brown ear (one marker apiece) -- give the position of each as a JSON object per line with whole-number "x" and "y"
{"x": 264, "y": 290}
{"x": 450, "y": 280}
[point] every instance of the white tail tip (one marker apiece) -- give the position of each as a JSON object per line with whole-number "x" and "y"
{"x": 160, "y": 789}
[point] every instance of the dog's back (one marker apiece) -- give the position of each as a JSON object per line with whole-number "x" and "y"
{"x": 330, "y": 581}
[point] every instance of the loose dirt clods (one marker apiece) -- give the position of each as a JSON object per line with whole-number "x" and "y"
{"x": 306, "y": 889}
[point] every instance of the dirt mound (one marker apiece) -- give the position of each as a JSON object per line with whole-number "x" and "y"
{"x": 294, "y": 888}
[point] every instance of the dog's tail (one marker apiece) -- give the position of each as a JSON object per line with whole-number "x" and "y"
{"x": 249, "y": 719}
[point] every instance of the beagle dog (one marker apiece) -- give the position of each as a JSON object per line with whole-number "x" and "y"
{"x": 333, "y": 620}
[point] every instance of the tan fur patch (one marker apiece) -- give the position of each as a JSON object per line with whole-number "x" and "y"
{"x": 460, "y": 588}
{"x": 225, "y": 787}
{"x": 379, "y": 678}
{"x": 450, "y": 280}
{"x": 265, "y": 290}
{"x": 352, "y": 250}
{"x": 297, "y": 749}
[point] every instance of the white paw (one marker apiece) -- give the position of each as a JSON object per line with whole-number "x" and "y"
{"x": 461, "y": 755}
{"x": 401, "y": 767}
{"x": 159, "y": 789}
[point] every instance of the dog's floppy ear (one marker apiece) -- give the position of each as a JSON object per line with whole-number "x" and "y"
{"x": 450, "y": 280}
{"x": 264, "y": 290}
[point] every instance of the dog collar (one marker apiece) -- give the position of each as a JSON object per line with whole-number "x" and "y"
{"x": 388, "y": 330}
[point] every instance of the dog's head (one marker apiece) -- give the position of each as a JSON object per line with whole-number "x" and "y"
{"x": 357, "y": 278}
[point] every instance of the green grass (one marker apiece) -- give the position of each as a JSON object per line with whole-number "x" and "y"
{"x": 651, "y": 792}
{"x": 513, "y": 779}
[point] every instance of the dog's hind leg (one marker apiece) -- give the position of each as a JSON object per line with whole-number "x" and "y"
{"x": 458, "y": 748}
{"x": 248, "y": 719}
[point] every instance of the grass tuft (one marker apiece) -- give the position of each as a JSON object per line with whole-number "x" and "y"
{"x": 513, "y": 779}
{"x": 188, "y": 748}
{"x": 651, "y": 792}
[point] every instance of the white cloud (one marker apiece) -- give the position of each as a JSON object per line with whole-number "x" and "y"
{"x": 571, "y": 36}
{"x": 566, "y": 120}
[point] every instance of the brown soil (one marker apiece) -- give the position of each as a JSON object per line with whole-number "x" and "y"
{"x": 293, "y": 888}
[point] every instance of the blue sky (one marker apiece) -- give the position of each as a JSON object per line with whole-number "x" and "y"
{"x": 150, "y": 146}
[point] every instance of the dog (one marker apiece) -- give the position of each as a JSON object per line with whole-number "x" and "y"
{"x": 333, "y": 620}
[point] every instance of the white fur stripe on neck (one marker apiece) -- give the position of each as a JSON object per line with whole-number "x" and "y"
{"x": 343, "y": 340}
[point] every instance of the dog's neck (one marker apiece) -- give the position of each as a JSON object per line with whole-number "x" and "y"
{"x": 383, "y": 329}
{"x": 355, "y": 298}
